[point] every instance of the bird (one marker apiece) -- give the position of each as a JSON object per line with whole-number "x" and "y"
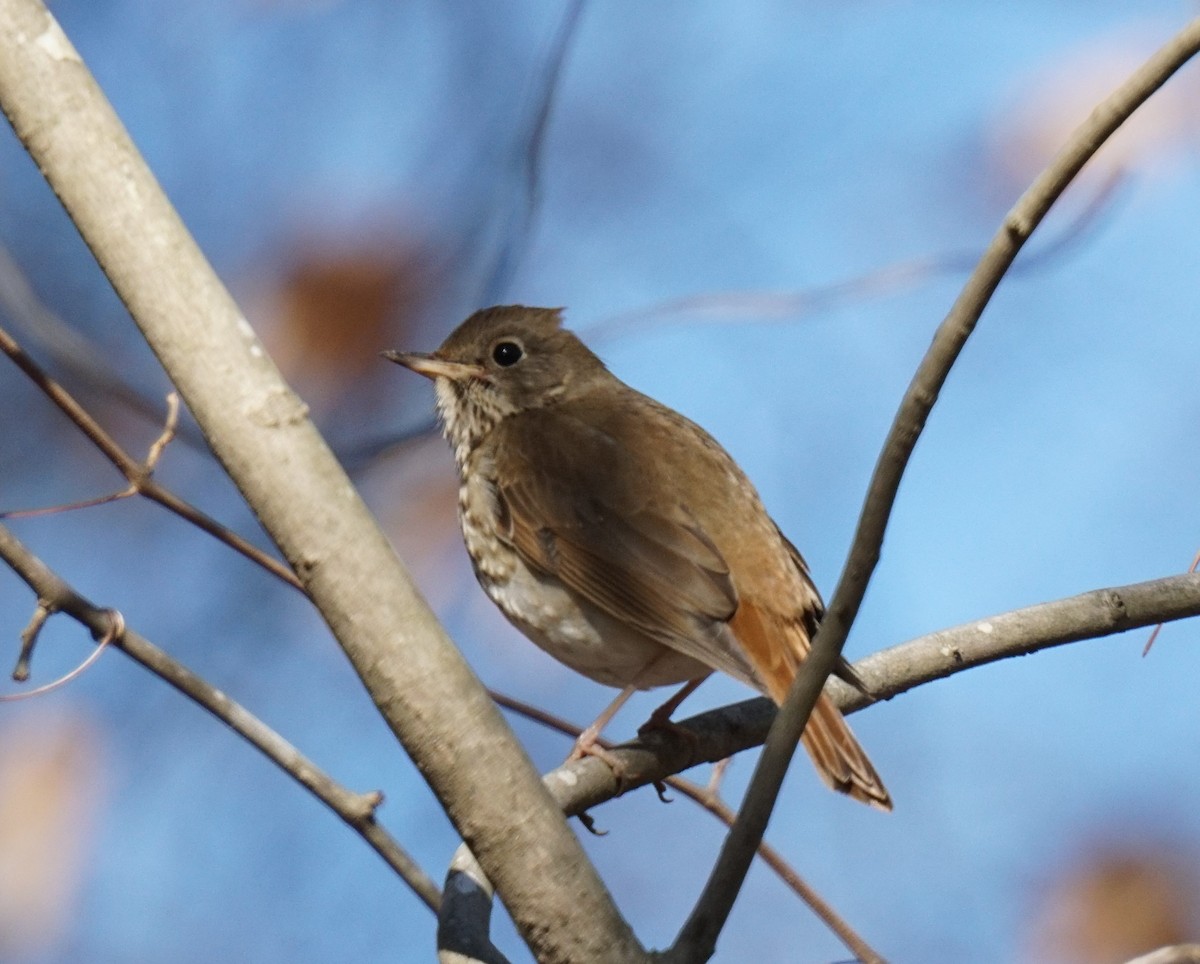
{"x": 618, "y": 535}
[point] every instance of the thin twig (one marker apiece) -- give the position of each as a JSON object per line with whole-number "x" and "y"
{"x": 1157, "y": 629}
{"x": 713, "y": 803}
{"x": 29, "y": 637}
{"x": 529, "y": 143}
{"x": 698, "y": 936}
{"x": 138, "y": 474}
{"x": 61, "y": 507}
{"x": 73, "y": 352}
{"x": 357, "y": 810}
{"x": 730, "y": 307}
{"x": 116, "y": 629}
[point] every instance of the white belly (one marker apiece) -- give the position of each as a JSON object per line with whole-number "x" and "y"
{"x": 586, "y": 639}
{"x": 571, "y": 630}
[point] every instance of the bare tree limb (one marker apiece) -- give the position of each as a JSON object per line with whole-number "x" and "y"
{"x": 757, "y": 306}
{"x": 697, "y": 938}
{"x": 357, "y": 810}
{"x": 529, "y": 143}
{"x": 260, "y": 432}
{"x": 723, "y": 732}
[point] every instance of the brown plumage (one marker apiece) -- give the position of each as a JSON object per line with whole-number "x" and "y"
{"x": 617, "y": 534}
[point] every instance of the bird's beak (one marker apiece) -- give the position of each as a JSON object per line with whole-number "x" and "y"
{"x": 433, "y": 367}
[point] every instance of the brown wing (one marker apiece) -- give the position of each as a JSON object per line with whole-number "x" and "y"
{"x": 602, "y": 517}
{"x": 578, "y": 506}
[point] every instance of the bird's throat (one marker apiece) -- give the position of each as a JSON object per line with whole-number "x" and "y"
{"x": 469, "y": 410}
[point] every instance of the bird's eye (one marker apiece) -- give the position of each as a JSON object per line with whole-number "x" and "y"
{"x": 507, "y": 353}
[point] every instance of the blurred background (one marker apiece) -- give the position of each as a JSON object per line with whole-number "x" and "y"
{"x": 756, "y": 212}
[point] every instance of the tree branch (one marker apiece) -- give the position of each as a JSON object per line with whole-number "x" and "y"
{"x": 734, "y": 307}
{"x": 357, "y": 810}
{"x": 697, "y": 939}
{"x": 260, "y": 432}
{"x": 465, "y": 918}
{"x": 722, "y": 732}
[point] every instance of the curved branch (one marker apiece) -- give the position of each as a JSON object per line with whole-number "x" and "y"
{"x": 697, "y": 939}
{"x": 465, "y": 918}
{"x": 529, "y": 144}
{"x": 736, "y": 307}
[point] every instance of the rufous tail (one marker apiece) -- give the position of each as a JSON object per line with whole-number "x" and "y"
{"x": 776, "y": 646}
{"x": 839, "y": 759}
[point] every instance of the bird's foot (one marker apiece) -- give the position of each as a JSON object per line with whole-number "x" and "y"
{"x": 660, "y": 721}
{"x": 590, "y": 744}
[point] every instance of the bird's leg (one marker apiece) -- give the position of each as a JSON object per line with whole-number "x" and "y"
{"x": 660, "y": 719}
{"x": 587, "y": 743}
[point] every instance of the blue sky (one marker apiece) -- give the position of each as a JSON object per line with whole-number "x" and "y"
{"x": 767, "y": 149}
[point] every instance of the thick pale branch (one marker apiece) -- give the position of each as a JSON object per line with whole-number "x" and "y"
{"x": 259, "y": 430}
{"x": 697, "y": 939}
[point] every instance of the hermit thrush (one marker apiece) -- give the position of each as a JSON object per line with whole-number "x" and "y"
{"x": 617, "y": 534}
